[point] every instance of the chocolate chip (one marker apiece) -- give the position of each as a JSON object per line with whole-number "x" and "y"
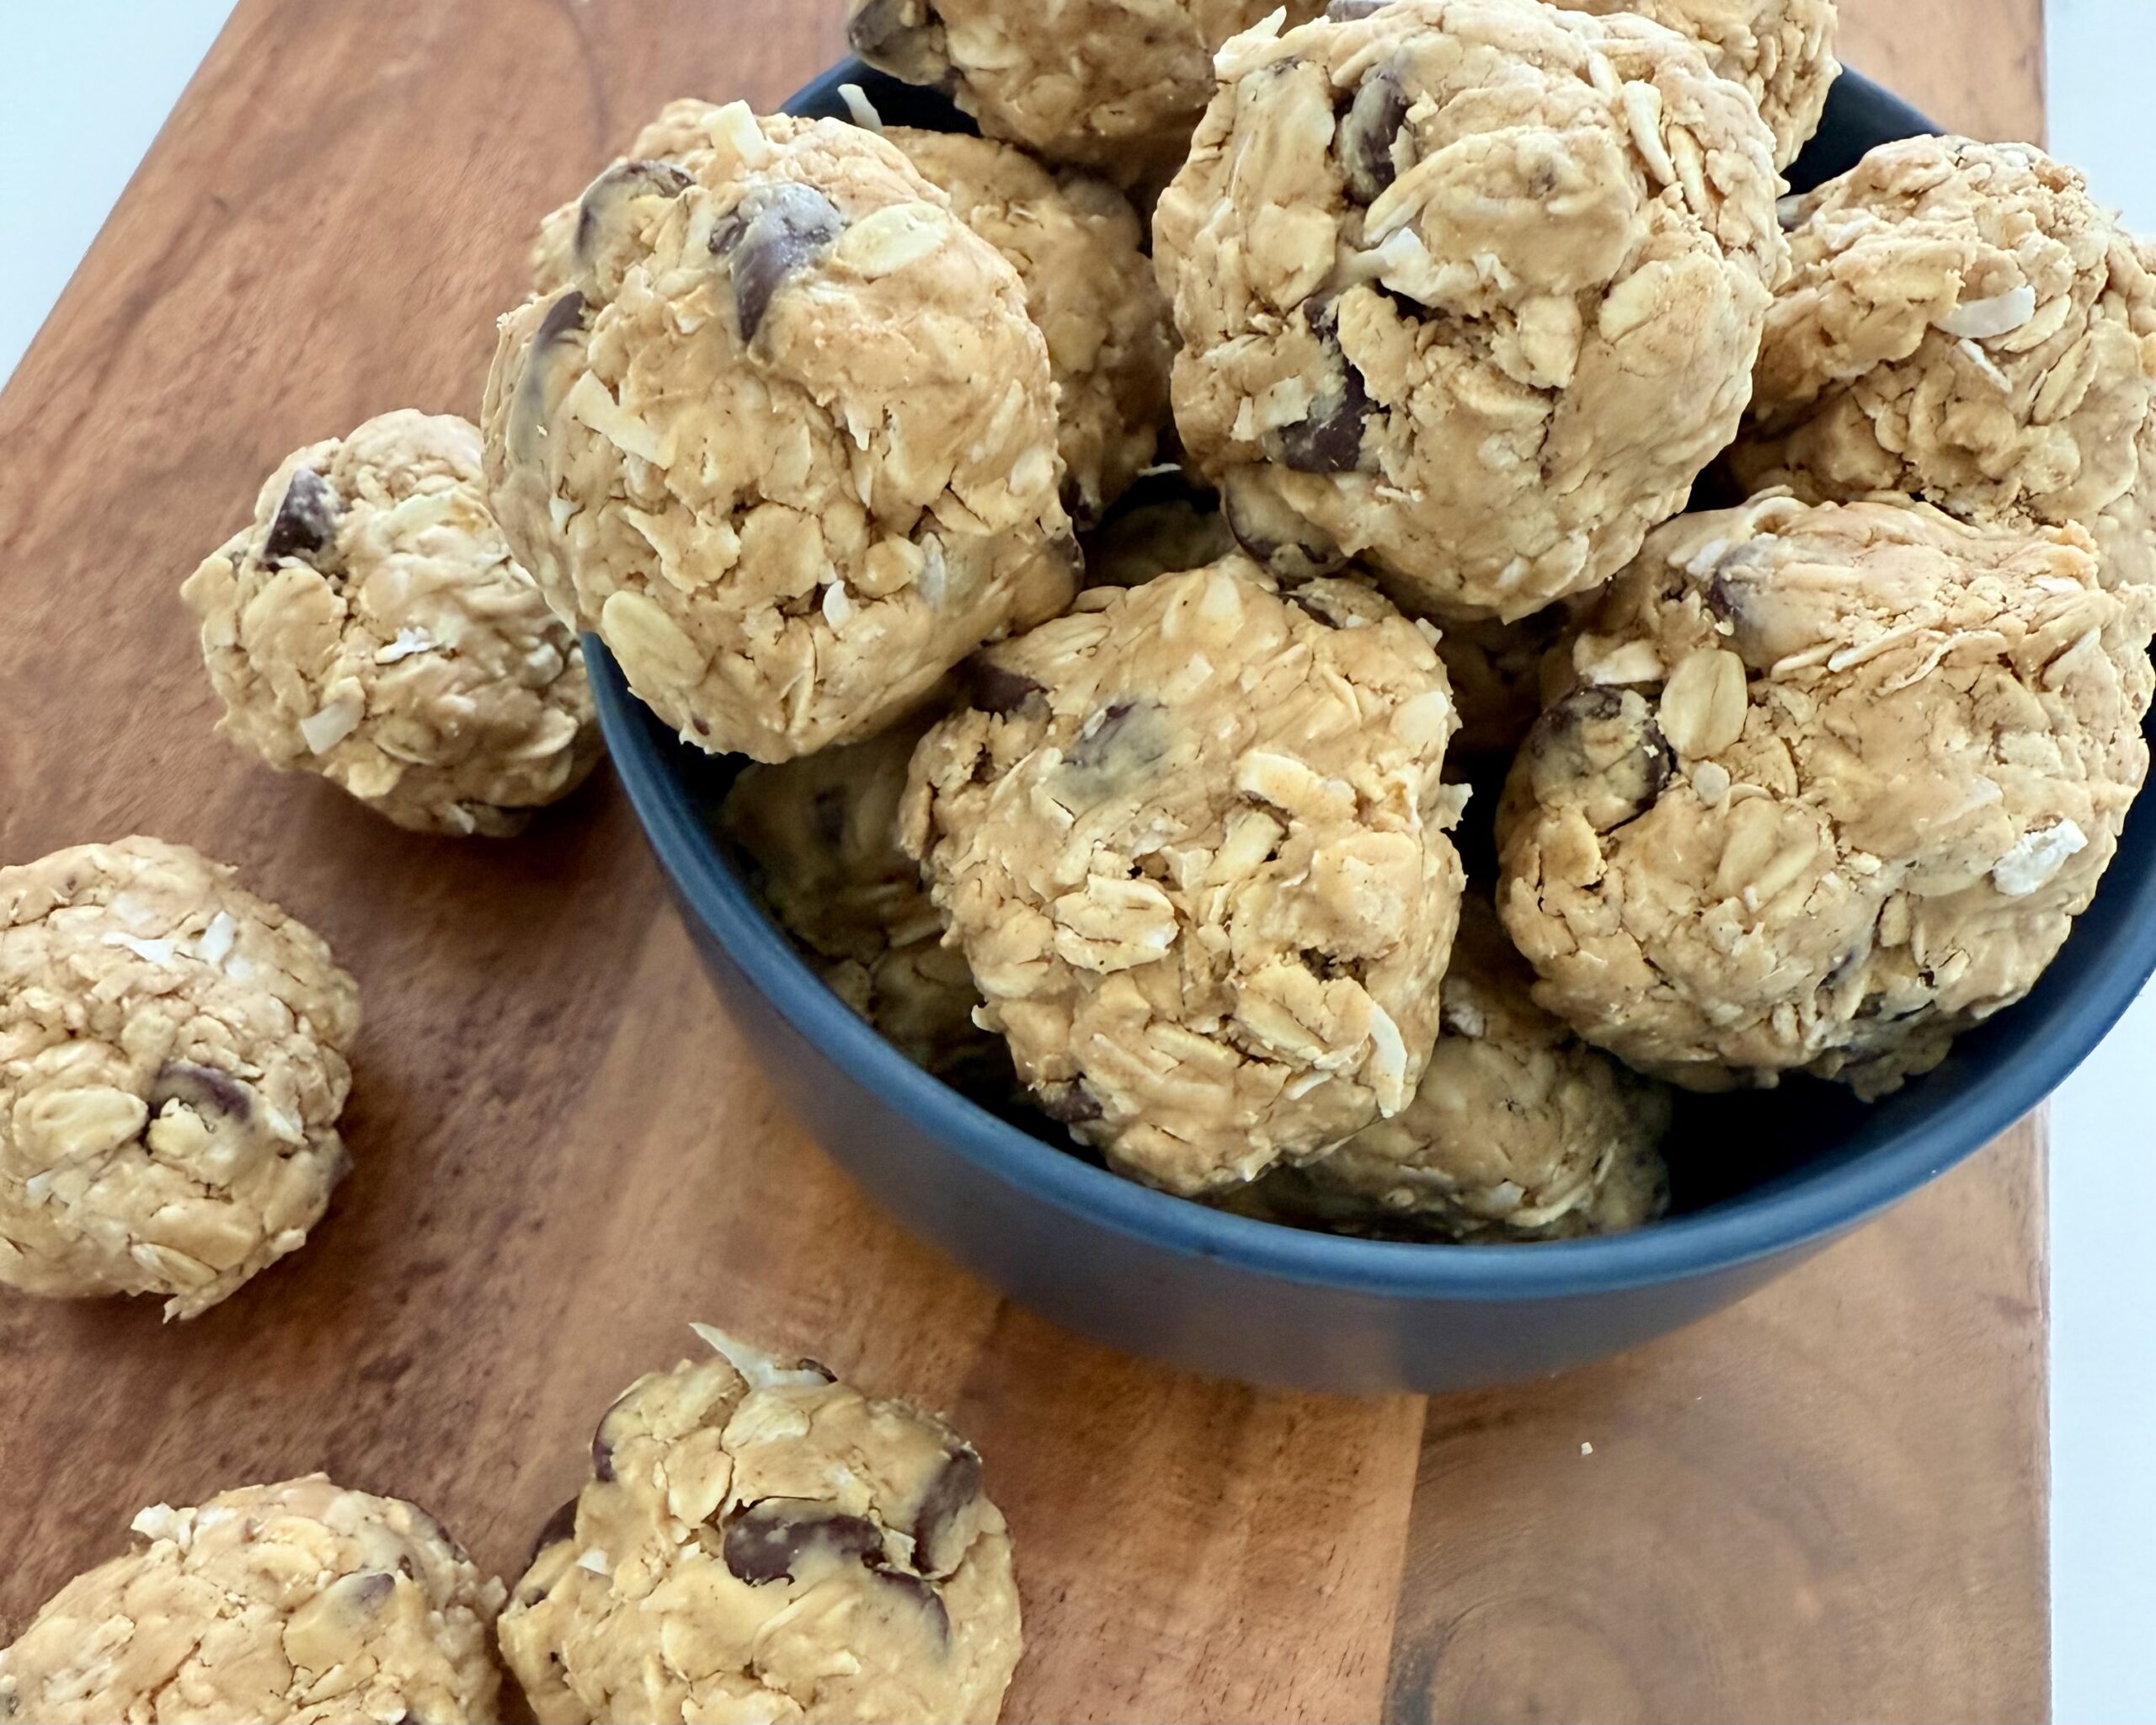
{"x": 527, "y": 409}
{"x": 1096, "y": 740}
{"x": 905, "y": 39}
{"x": 1353, "y": 11}
{"x": 950, "y": 1494}
{"x": 205, "y": 1089}
{"x": 560, "y": 1526}
{"x": 765, "y": 1540}
{"x": 923, "y": 1594}
{"x": 1069, "y": 1104}
{"x": 777, "y": 232}
{"x": 1329, "y": 440}
{"x": 1000, "y": 691}
{"x": 1290, "y": 547}
{"x": 306, "y": 521}
{"x": 602, "y": 1458}
{"x": 822, "y": 1370}
{"x": 606, "y": 199}
{"x": 1366, "y": 137}
{"x": 1600, "y": 750}
{"x": 366, "y": 1591}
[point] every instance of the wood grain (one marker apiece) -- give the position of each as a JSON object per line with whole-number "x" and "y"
{"x": 1829, "y": 1502}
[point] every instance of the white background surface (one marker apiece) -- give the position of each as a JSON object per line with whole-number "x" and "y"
{"x": 84, "y": 86}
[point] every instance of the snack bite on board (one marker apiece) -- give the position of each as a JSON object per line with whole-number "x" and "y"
{"x": 1469, "y": 290}
{"x": 1831, "y": 786}
{"x": 172, "y": 1062}
{"x": 1116, "y": 85}
{"x": 1518, "y": 1131}
{"x": 759, "y": 1540}
{"x": 788, "y": 445}
{"x": 300, "y": 1601}
{"x": 1191, "y": 840}
{"x": 370, "y": 625}
{"x": 1781, "y": 52}
{"x": 1965, "y": 323}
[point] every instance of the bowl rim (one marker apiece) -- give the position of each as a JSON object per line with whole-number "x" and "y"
{"x": 1749, "y": 1229}
{"x": 1742, "y": 1231}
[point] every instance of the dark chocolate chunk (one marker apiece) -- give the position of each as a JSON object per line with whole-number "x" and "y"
{"x": 950, "y": 1494}
{"x": 1071, "y": 1104}
{"x": 560, "y": 1526}
{"x": 903, "y": 38}
{"x": 778, "y": 232}
{"x": 1097, "y": 741}
{"x": 1000, "y": 691}
{"x": 924, "y": 1595}
{"x": 205, "y": 1089}
{"x": 1330, "y": 441}
{"x": 1289, "y": 547}
{"x": 366, "y": 1591}
{"x": 306, "y": 521}
{"x": 1600, "y": 750}
{"x": 609, "y": 195}
{"x": 767, "y": 1541}
{"x": 1365, "y": 138}
{"x": 527, "y": 409}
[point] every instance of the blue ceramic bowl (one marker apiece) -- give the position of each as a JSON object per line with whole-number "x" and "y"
{"x": 1762, "y": 1181}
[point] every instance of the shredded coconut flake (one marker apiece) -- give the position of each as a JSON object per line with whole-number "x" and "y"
{"x": 2002, "y": 314}
{"x": 759, "y": 1370}
{"x": 409, "y": 642}
{"x": 2036, "y": 859}
{"x": 153, "y": 952}
{"x": 859, "y": 108}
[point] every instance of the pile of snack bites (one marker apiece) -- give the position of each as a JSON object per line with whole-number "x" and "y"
{"x": 1128, "y": 544}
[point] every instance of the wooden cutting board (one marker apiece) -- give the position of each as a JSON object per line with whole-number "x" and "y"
{"x": 1829, "y": 1502}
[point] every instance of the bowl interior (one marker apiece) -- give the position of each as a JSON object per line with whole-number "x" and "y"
{"x": 1751, "y": 1173}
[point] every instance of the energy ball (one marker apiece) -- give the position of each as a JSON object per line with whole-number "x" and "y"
{"x": 759, "y": 1541}
{"x": 1518, "y": 1130}
{"x": 1832, "y": 786}
{"x": 788, "y": 445}
{"x": 1965, "y": 323}
{"x": 370, "y": 625}
{"x": 172, "y": 1058}
{"x": 1469, "y": 289}
{"x": 1191, "y": 840}
{"x": 821, "y": 836}
{"x": 294, "y": 1602}
{"x": 1781, "y": 52}
{"x": 1076, "y": 243}
{"x": 1117, "y": 84}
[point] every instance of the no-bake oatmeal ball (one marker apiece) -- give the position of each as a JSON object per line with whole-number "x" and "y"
{"x": 1470, "y": 289}
{"x": 1831, "y": 788}
{"x": 370, "y": 625}
{"x": 1782, "y": 51}
{"x": 789, "y": 443}
{"x": 1115, "y": 83}
{"x": 1518, "y": 1130}
{"x": 1964, "y": 322}
{"x": 821, "y": 836}
{"x": 172, "y": 1056}
{"x": 294, "y": 1602}
{"x": 1076, "y": 243}
{"x": 1191, "y": 840}
{"x": 758, "y": 1541}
